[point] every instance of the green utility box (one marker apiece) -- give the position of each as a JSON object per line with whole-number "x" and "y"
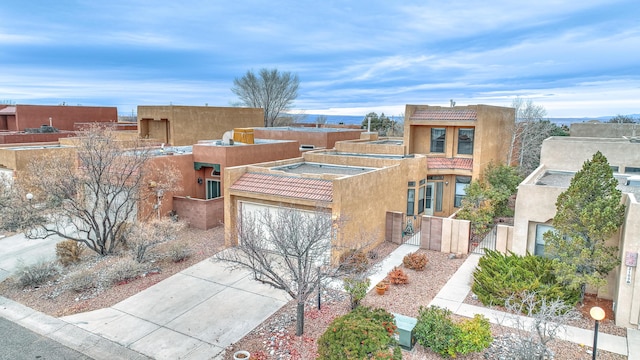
{"x": 405, "y": 336}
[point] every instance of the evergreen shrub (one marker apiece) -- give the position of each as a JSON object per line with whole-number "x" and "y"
{"x": 500, "y": 276}
{"x": 364, "y": 333}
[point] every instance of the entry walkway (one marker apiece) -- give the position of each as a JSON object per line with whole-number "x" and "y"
{"x": 455, "y": 291}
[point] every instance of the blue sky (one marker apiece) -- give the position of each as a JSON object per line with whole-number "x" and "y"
{"x": 575, "y": 58}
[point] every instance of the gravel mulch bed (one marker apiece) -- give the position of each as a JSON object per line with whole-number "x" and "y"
{"x": 275, "y": 338}
{"x": 52, "y": 298}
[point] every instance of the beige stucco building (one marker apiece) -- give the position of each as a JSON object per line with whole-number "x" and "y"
{"x": 459, "y": 142}
{"x": 361, "y": 181}
{"x": 186, "y": 125}
{"x": 560, "y": 158}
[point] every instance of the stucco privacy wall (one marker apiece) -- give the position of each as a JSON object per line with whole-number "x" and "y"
{"x": 570, "y": 153}
{"x": 318, "y": 137}
{"x": 186, "y": 125}
{"x": 365, "y": 146}
{"x": 603, "y": 130}
{"x": 62, "y": 117}
{"x": 18, "y": 157}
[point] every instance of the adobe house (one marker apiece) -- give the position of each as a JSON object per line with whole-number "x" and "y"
{"x": 62, "y": 117}
{"x": 358, "y": 190}
{"x": 459, "y": 142}
{"x": 186, "y": 125}
{"x": 560, "y": 158}
{"x": 201, "y": 203}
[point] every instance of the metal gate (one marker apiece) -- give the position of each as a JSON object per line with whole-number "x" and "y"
{"x": 411, "y": 230}
{"x": 489, "y": 242}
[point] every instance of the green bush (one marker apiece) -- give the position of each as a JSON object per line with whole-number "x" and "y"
{"x": 36, "y": 274}
{"x": 356, "y": 288}
{"x": 364, "y": 333}
{"x": 499, "y": 276}
{"x": 437, "y": 331}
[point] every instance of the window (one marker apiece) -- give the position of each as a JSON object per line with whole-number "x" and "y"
{"x": 421, "y": 200}
{"x": 439, "y": 190}
{"x": 411, "y": 195}
{"x": 461, "y": 183}
{"x": 435, "y": 177}
{"x": 437, "y": 140}
{"x": 540, "y": 230}
{"x": 632, "y": 170}
{"x": 213, "y": 189}
{"x": 429, "y": 197}
{"x": 411, "y": 184}
{"x": 465, "y": 141}
{"x": 615, "y": 169}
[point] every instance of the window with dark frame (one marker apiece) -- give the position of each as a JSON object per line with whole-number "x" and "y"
{"x": 421, "y": 192}
{"x": 465, "y": 141}
{"x": 411, "y": 198}
{"x": 461, "y": 184}
{"x": 438, "y": 136}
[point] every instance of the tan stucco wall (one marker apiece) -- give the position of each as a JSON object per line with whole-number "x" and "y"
{"x": 364, "y": 146}
{"x": 570, "y": 153}
{"x": 185, "y": 125}
{"x": 603, "y": 130}
{"x": 18, "y": 158}
{"x": 320, "y": 139}
{"x": 628, "y": 294}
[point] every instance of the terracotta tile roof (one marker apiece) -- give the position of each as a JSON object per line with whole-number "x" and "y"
{"x": 450, "y": 163}
{"x": 287, "y": 186}
{"x": 432, "y": 114}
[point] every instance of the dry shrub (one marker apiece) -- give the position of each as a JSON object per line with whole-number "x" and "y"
{"x": 415, "y": 261}
{"x": 397, "y": 276}
{"x": 179, "y": 252}
{"x": 81, "y": 281}
{"x": 123, "y": 270}
{"x": 68, "y": 252}
{"x": 354, "y": 261}
{"x": 36, "y": 274}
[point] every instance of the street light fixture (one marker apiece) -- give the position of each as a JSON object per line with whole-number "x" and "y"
{"x": 29, "y": 196}
{"x": 597, "y": 314}
{"x": 318, "y": 265}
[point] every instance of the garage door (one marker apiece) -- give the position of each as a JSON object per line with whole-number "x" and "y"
{"x": 306, "y": 226}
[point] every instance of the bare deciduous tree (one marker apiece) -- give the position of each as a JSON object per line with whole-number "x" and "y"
{"x": 286, "y": 248}
{"x": 537, "y": 322}
{"x": 530, "y": 130}
{"x": 91, "y": 196}
{"x": 270, "y": 90}
{"x": 148, "y": 234}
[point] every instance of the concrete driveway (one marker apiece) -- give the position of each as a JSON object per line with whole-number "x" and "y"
{"x": 17, "y": 248}
{"x": 194, "y": 314}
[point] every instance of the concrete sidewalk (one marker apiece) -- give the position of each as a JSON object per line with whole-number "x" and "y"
{"x": 455, "y": 291}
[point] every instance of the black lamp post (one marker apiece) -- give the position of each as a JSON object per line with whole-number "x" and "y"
{"x": 597, "y": 314}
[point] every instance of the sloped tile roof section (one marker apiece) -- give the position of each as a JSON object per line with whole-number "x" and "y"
{"x": 286, "y": 186}
{"x": 429, "y": 114}
{"x": 450, "y": 163}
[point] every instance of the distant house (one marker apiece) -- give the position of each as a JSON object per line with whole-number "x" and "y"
{"x": 560, "y": 159}
{"x": 62, "y": 117}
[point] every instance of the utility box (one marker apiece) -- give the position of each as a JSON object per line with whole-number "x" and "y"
{"x": 243, "y": 135}
{"x": 405, "y": 336}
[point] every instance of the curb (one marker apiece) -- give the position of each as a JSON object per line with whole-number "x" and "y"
{"x": 83, "y": 341}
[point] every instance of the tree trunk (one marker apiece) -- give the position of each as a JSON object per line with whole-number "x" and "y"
{"x": 300, "y": 319}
